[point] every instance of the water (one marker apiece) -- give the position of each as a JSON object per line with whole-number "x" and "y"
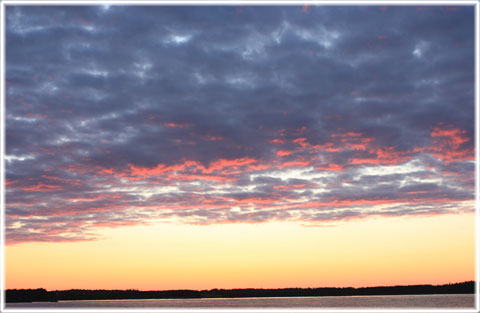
{"x": 403, "y": 301}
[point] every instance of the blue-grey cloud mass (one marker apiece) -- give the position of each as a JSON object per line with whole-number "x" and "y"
{"x": 123, "y": 115}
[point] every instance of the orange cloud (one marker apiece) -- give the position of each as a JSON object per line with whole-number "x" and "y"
{"x": 290, "y": 187}
{"x": 331, "y": 167}
{"x": 447, "y": 145}
{"x": 284, "y": 152}
{"x": 159, "y": 169}
{"x": 43, "y": 188}
{"x": 109, "y": 171}
{"x": 351, "y": 141}
{"x": 192, "y": 177}
{"x": 258, "y": 167}
{"x": 177, "y": 125}
{"x": 301, "y": 141}
{"x": 221, "y": 164}
{"x": 278, "y": 141}
{"x": 348, "y": 134}
{"x": 213, "y": 138}
{"x": 183, "y": 171}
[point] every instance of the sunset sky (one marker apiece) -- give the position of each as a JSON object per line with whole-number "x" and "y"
{"x": 163, "y": 147}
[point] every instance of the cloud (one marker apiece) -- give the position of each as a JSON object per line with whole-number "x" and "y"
{"x": 212, "y": 114}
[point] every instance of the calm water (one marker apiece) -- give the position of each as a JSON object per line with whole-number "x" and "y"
{"x": 411, "y": 301}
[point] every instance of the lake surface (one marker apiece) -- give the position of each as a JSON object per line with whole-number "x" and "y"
{"x": 408, "y": 301}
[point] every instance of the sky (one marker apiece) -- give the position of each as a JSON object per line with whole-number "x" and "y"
{"x": 163, "y": 147}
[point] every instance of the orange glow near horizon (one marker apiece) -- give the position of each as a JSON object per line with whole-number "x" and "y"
{"x": 370, "y": 252}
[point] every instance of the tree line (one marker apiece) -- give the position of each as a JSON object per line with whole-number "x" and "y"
{"x": 42, "y": 295}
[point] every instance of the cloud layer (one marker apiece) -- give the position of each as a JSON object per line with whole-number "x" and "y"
{"x": 120, "y": 115}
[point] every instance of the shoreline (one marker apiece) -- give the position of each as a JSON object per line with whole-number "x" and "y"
{"x": 42, "y": 295}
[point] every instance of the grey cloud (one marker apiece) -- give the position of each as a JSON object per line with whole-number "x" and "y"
{"x": 92, "y": 92}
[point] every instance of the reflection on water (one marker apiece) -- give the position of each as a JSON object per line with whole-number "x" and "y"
{"x": 409, "y": 301}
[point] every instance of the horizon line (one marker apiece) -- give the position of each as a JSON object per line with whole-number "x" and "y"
{"x": 252, "y": 288}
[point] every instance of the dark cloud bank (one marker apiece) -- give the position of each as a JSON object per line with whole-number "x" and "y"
{"x": 122, "y": 115}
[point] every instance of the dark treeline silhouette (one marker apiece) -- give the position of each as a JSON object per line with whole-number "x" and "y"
{"x": 34, "y": 295}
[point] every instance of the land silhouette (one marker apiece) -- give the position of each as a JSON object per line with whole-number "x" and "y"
{"x": 42, "y": 295}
